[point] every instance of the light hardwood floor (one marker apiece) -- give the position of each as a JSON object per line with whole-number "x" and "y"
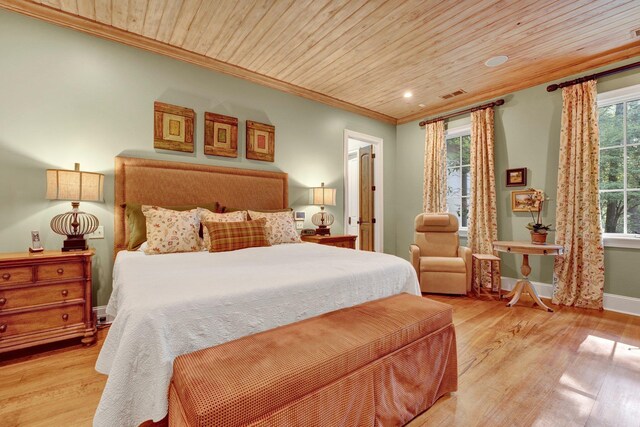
{"x": 517, "y": 367}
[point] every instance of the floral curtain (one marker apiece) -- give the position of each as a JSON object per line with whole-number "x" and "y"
{"x": 579, "y": 273}
{"x": 483, "y": 224}
{"x": 435, "y": 169}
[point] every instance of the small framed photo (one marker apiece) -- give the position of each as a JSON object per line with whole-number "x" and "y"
{"x": 36, "y": 244}
{"x": 173, "y": 127}
{"x": 524, "y": 201}
{"x": 261, "y": 141}
{"x": 517, "y": 177}
{"x": 299, "y": 215}
{"x": 220, "y": 135}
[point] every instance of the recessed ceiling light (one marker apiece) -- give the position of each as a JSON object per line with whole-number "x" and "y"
{"x": 496, "y": 60}
{"x": 421, "y": 105}
{"x": 408, "y": 94}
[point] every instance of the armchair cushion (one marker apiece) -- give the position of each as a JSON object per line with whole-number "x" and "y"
{"x": 443, "y": 264}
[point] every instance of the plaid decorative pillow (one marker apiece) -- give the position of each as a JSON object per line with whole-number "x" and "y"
{"x": 206, "y": 215}
{"x": 231, "y": 236}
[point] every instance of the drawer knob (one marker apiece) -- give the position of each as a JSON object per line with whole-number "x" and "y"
{"x": 65, "y": 293}
{"x": 3, "y": 301}
{"x": 3, "y": 328}
{"x": 65, "y": 317}
{"x": 60, "y": 270}
{"x": 6, "y": 276}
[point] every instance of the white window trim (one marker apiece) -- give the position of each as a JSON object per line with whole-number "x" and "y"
{"x": 618, "y": 240}
{"x": 629, "y": 93}
{"x": 452, "y": 133}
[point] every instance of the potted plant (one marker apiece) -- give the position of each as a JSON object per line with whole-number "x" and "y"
{"x": 539, "y": 230}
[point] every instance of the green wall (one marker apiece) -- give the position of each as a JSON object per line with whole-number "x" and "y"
{"x": 67, "y": 97}
{"x": 527, "y": 134}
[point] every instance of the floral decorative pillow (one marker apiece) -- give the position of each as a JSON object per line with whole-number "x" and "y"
{"x": 206, "y": 215}
{"x": 281, "y": 227}
{"x": 170, "y": 231}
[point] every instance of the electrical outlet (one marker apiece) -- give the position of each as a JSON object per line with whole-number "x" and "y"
{"x": 98, "y": 234}
{"x": 299, "y": 225}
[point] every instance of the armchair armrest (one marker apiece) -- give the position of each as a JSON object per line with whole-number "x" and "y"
{"x": 465, "y": 253}
{"x": 414, "y": 257}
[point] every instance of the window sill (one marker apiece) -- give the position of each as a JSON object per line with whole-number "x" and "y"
{"x": 621, "y": 241}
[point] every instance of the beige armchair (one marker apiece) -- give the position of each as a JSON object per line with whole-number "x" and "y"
{"x": 442, "y": 265}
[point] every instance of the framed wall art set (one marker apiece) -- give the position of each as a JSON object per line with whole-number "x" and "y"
{"x": 173, "y": 129}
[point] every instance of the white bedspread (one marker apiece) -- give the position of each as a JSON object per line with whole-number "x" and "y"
{"x": 168, "y": 305}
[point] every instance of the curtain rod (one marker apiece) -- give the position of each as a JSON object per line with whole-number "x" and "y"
{"x": 595, "y": 76}
{"x": 459, "y": 113}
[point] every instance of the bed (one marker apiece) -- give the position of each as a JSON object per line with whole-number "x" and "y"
{"x": 173, "y": 304}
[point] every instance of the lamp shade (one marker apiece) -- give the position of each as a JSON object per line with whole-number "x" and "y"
{"x": 322, "y": 196}
{"x": 75, "y": 185}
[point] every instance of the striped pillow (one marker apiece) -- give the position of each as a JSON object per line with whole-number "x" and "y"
{"x": 231, "y": 236}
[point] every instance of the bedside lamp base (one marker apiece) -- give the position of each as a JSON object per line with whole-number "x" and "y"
{"x": 75, "y": 243}
{"x": 323, "y": 230}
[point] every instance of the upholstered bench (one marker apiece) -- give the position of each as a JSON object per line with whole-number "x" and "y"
{"x": 379, "y": 363}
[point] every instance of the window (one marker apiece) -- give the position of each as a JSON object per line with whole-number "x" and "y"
{"x": 619, "y": 122}
{"x": 459, "y": 173}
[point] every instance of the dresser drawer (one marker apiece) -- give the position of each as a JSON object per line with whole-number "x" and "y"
{"x": 23, "y": 323}
{"x": 40, "y": 294}
{"x": 15, "y": 275}
{"x": 61, "y": 271}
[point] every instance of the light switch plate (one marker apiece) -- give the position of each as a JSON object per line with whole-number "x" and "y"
{"x": 98, "y": 234}
{"x": 299, "y": 225}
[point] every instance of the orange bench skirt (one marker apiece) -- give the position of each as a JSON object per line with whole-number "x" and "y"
{"x": 376, "y": 364}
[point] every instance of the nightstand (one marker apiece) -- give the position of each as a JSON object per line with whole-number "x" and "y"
{"x": 340, "y": 241}
{"x": 45, "y": 297}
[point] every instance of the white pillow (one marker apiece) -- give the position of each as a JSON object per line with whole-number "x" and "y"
{"x": 281, "y": 228}
{"x": 207, "y": 215}
{"x": 170, "y": 231}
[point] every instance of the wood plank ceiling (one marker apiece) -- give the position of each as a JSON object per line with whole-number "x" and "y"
{"x": 362, "y": 55}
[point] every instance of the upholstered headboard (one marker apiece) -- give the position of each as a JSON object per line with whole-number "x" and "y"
{"x": 163, "y": 183}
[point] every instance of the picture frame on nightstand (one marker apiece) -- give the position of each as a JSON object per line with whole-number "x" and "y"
{"x": 36, "y": 244}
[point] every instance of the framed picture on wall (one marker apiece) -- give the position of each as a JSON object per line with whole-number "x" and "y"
{"x": 517, "y": 177}
{"x": 220, "y": 135}
{"x": 261, "y": 141}
{"x": 524, "y": 201}
{"x": 173, "y": 127}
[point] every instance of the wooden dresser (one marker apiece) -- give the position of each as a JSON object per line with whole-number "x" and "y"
{"x": 341, "y": 241}
{"x": 45, "y": 297}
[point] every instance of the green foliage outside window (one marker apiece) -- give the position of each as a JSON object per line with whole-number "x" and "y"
{"x": 619, "y": 150}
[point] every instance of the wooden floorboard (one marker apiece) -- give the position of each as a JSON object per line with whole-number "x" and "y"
{"x": 518, "y": 366}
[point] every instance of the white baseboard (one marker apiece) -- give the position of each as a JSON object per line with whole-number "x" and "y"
{"x": 612, "y": 302}
{"x": 101, "y": 311}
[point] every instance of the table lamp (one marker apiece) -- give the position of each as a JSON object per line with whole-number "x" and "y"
{"x": 74, "y": 185}
{"x": 322, "y": 196}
